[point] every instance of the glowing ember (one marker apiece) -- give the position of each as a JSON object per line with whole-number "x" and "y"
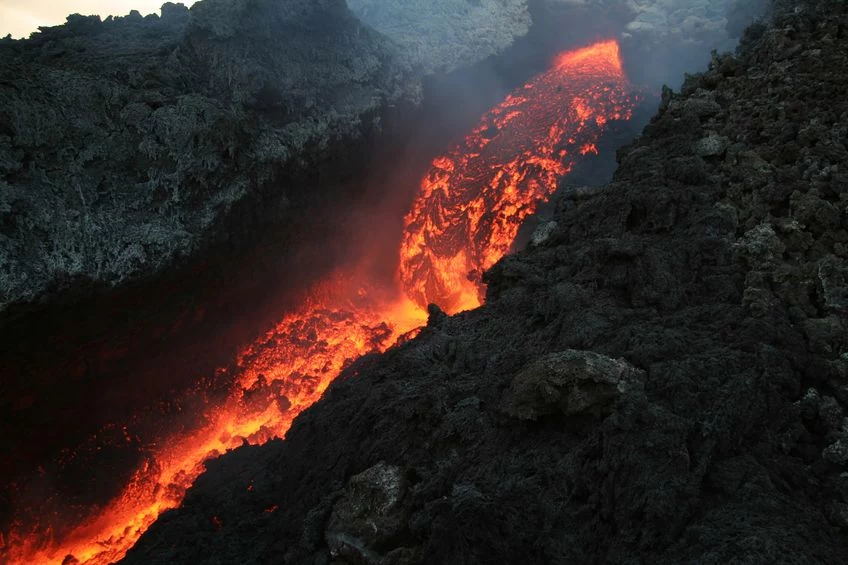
{"x": 465, "y": 218}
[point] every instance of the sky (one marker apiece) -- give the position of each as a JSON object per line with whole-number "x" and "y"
{"x": 22, "y": 17}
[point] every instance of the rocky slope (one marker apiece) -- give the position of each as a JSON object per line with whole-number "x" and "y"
{"x": 663, "y": 379}
{"x": 124, "y": 143}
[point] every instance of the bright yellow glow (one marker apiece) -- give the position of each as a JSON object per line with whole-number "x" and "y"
{"x": 23, "y": 17}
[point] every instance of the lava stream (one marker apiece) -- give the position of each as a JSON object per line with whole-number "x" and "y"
{"x": 466, "y": 215}
{"x": 474, "y": 198}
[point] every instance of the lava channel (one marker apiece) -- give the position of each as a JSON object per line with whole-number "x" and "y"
{"x": 465, "y": 217}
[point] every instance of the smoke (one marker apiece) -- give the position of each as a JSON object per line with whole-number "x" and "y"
{"x": 661, "y": 39}
{"x": 664, "y": 40}
{"x": 443, "y": 35}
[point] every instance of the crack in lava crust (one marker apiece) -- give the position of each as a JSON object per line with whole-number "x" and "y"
{"x": 467, "y": 213}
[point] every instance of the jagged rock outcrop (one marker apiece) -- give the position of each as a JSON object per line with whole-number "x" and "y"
{"x": 570, "y": 383}
{"x": 714, "y": 280}
{"x": 124, "y": 143}
{"x": 366, "y": 515}
{"x": 443, "y": 35}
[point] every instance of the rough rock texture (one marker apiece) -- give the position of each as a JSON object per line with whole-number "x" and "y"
{"x": 714, "y": 282}
{"x": 366, "y": 515}
{"x": 663, "y": 39}
{"x": 443, "y": 35}
{"x": 570, "y": 383}
{"x": 124, "y": 143}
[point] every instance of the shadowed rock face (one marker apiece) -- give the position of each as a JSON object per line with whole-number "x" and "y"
{"x": 124, "y": 143}
{"x": 713, "y": 281}
{"x": 366, "y": 514}
{"x": 570, "y": 383}
{"x": 663, "y": 38}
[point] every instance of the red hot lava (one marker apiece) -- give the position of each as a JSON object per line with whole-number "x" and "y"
{"x": 464, "y": 219}
{"x": 474, "y": 198}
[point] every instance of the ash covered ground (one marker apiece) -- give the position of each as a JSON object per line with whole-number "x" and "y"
{"x": 663, "y": 378}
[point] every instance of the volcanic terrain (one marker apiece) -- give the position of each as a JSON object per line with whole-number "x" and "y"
{"x": 661, "y": 378}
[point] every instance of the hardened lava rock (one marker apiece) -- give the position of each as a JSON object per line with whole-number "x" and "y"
{"x": 711, "y": 283}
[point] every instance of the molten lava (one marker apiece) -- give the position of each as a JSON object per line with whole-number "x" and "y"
{"x": 466, "y": 215}
{"x": 475, "y": 197}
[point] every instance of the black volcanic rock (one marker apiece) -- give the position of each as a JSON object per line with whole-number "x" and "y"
{"x": 716, "y": 280}
{"x": 124, "y": 143}
{"x": 443, "y": 35}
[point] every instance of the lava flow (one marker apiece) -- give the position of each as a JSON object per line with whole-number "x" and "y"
{"x": 474, "y": 198}
{"x": 466, "y": 215}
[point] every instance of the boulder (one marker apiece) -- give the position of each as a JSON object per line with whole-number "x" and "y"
{"x": 368, "y": 513}
{"x": 571, "y": 383}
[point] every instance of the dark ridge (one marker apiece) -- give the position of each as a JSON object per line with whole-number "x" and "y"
{"x": 134, "y": 143}
{"x": 663, "y": 380}
{"x": 87, "y": 357}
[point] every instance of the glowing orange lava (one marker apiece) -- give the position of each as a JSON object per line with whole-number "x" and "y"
{"x": 475, "y": 197}
{"x": 465, "y": 218}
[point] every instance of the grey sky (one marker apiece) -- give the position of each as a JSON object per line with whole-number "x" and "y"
{"x": 22, "y": 17}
